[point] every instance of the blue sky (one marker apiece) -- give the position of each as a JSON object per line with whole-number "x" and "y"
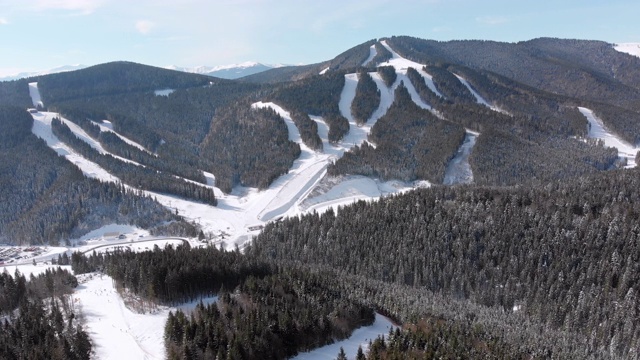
{"x": 42, "y": 34}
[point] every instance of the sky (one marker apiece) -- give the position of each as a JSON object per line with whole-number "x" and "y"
{"x": 43, "y": 34}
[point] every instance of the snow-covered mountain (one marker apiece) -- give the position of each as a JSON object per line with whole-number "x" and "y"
{"x": 233, "y": 71}
{"x": 27, "y": 74}
{"x": 629, "y": 48}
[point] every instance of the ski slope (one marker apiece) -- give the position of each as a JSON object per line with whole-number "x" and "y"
{"x": 597, "y": 130}
{"x": 372, "y": 54}
{"x": 628, "y": 48}
{"x": 117, "y": 332}
{"x": 107, "y": 126}
{"x": 458, "y": 170}
{"x": 400, "y": 63}
{"x": 359, "y": 338}
{"x": 479, "y": 99}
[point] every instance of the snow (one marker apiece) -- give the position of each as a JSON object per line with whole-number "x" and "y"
{"x": 163, "y": 92}
{"x": 479, "y": 98}
{"x": 324, "y": 71}
{"x": 401, "y": 64}
{"x": 372, "y": 54}
{"x": 458, "y": 170}
{"x": 35, "y": 270}
{"x": 360, "y": 337}
{"x": 597, "y": 130}
{"x": 35, "y": 95}
{"x": 42, "y": 129}
{"x": 232, "y": 222}
{"x": 115, "y": 330}
{"x": 138, "y": 246}
{"x": 629, "y": 48}
{"x": 106, "y": 125}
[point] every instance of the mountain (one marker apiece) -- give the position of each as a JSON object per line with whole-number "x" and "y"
{"x": 60, "y": 69}
{"x": 234, "y": 71}
{"x": 393, "y": 109}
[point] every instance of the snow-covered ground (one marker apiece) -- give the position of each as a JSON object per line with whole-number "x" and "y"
{"x": 372, "y": 54}
{"x": 597, "y": 130}
{"x": 479, "y": 98}
{"x": 35, "y": 270}
{"x": 106, "y": 125}
{"x": 42, "y": 129}
{"x": 35, "y": 95}
{"x": 458, "y": 170}
{"x": 115, "y": 330}
{"x": 164, "y": 92}
{"x": 359, "y": 338}
{"x": 629, "y": 48}
{"x": 401, "y": 63}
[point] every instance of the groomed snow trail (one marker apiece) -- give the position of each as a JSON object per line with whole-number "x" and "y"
{"x": 479, "y": 98}
{"x": 372, "y": 54}
{"x": 117, "y": 332}
{"x": 359, "y": 338}
{"x": 35, "y": 95}
{"x": 106, "y": 126}
{"x": 597, "y": 130}
{"x": 458, "y": 170}
{"x": 402, "y": 64}
{"x": 306, "y": 171}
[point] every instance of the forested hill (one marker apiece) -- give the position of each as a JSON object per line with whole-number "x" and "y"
{"x": 563, "y": 256}
{"x": 46, "y": 199}
{"x": 115, "y": 78}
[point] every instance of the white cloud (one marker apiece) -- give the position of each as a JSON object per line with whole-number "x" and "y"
{"x": 144, "y": 26}
{"x": 492, "y": 20}
{"x": 3, "y": 21}
{"x": 83, "y": 7}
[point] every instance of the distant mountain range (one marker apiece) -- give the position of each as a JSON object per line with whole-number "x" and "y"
{"x": 28, "y": 74}
{"x": 234, "y": 71}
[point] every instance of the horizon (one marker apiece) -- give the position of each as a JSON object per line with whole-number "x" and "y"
{"x": 47, "y": 34}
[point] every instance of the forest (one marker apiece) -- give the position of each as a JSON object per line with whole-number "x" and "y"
{"x": 46, "y": 199}
{"x": 40, "y": 320}
{"x": 410, "y": 143}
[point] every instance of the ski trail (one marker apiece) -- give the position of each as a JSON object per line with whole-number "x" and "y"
{"x": 372, "y": 54}
{"x": 402, "y": 64}
{"x": 306, "y": 171}
{"x": 479, "y": 99}
{"x": 106, "y": 126}
{"x": 597, "y": 130}
{"x": 459, "y": 170}
{"x": 35, "y": 95}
